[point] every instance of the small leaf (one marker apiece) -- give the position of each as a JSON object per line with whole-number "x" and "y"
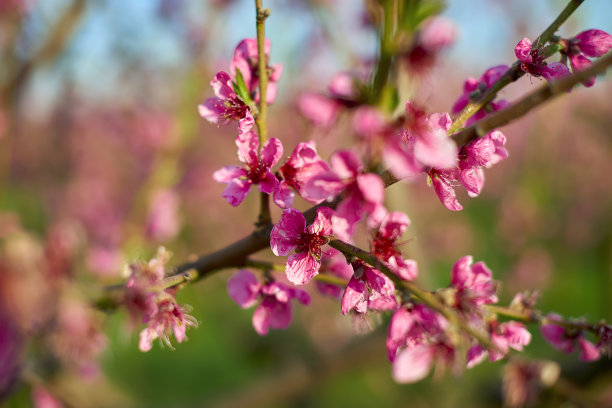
{"x": 241, "y": 89}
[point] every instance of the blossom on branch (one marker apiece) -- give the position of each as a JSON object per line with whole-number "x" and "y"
{"x": 275, "y": 309}
{"x": 589, "y": 43}
{"x": 291, "y": 234}
{"x": 504, "y": 336}
{"x": 303, "y": 165}
{"x": 257, "y": 169}
{"x": 384, "y": 245}
{"x": 533, "y": 61}
{"x": 568, "y": 340}
{"x": 226, "y": 106}
{"x": 362, "y": 193}
{"x": 368, "y": 289}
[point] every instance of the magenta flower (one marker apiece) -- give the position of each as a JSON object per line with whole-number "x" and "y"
{"x": 368, "y": 289}
{"x": 290, "y": 234}
{"x": 246, "y": 60}
{"x": 483, "y": 152}
{"x": 474, "y": 284}
{"x": 414, "y": 326}
{"x": 303, "y": 165}
{"x": 416, "y": 340}
{"x": 363, "y": 193}
{"x": 257, "y": 168}
{"x": 504, "y": 336}
{"x": 226, "y": 106}
{"x": 589, "y": 43}
{"x": 274, "y": 310}
{"x": 533, "y": 61}
{"x": 141, "y": 289}
{"x": 473, "y": 86}
{"x": 385, "y": 245}
{"x": 169, "y": 319}
{"x": 423, "y": 143}
{"x": 568, "y": 342}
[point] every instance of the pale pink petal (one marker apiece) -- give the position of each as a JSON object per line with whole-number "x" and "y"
{"x": 283, "y": 196}
{"x": 348, "y": 213}
{"x": 461, "y": 273}
{"x": 355, "y": 296}
{"x": 436, "y": 150}
{"x": 261, "y": 320}
{"x": 323, "y": 186}
{"x": 588, "y": 351}
{"x": 271, "y": 152}
{"x": 248, "y": 147}
{"x": 320, "y": 110}
{"x": 341, "y": 84}
{"x": 244, "y": 288}
{"x": 368, "y": 121}
{"x": 286, "y": 234}
{"x": 413, "y": 364}
{"x": 236, "y": 191}
{"x": 229, "y": 173}
{"x": 401, "y": 323}
{"x": 346, "y": 164}
{"x": 211, "y": 110}
{"x": 473, "y": 180}
{"x": 446, "y": 194}
{"x": 301, "y": 295}
{"x": 322, "y": 224}
{"x": 523, "y": 50}
{"x": 146, "y": 339}
{"x": 404, "y": 268}
{"x": 437, "y": 34}
{"x": 400, "y": 161}
{"x": 245, "y": 124}
{"x": 279, "y": 313}
{"x": 222, "y": 86}
{"x": 371, "y": 187}
{"x": 301, "y": 268}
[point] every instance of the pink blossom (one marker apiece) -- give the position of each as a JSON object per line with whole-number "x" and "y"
{"x": 141, "y": 289}
{"x": 477, "y": 87}
{"x": 291, "y": 234}
{"x": 474, "y": 285}
{"x": 43, "y": 399}
{"x": 363, "y": 193}
{"x": 567, "y": 342}
{"x": 169, "y": 319}
{"x": 318, "y": 109}
{"x": 533, "y": 61}
{"x": 483, "y": 152}
{"x": 385, "y": 245}
{"x": 246, "y": 60}
{"x": 226, "y": 106}
{"x": 323, "y": 109}
{"x": 504, "y": 336}
{"x": 589, "y": 43}
{"x": 257, "y": 169}
{"x": 368, "y": 289}
{"x": 163, "y": 220}
{"x": 274, "y": 310}
{"x": 303, "y": 165}
{"x": 412, "y": 364}
{"x": 413, "y": 326}
{"x": 423, "y": 143}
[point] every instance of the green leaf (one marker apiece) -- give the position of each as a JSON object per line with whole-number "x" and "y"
{"x": 241, "y": 89}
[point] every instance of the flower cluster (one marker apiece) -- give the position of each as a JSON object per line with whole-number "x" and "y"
{"x": 589, "y": 43}
{"x": 148, "y": 302}
{"x": 275, "y": 310}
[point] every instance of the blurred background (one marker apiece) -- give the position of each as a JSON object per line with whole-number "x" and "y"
{"x": 103, "y": 157}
